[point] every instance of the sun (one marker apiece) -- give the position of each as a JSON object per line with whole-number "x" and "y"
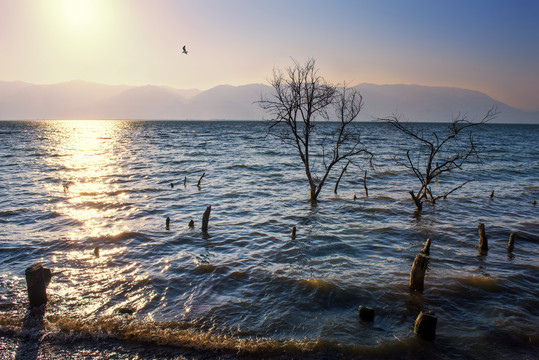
{"x": 79, "y": 13}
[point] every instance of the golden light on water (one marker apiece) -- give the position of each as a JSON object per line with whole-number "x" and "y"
{"x": 86, "y": 162}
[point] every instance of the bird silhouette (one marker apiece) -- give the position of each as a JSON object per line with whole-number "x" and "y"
{"x": 184, "y": 50}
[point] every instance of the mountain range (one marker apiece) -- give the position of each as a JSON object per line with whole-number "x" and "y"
{"x": 85, "y": 100}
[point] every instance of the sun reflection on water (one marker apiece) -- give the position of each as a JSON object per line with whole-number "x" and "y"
{"x": 87, "y": 154}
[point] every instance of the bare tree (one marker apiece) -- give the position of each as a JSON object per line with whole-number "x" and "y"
{"x": 300, "y": 100}
{"x": 439, "y": 153}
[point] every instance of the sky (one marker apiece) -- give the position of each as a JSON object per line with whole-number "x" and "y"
{"x": 490, "y": 46}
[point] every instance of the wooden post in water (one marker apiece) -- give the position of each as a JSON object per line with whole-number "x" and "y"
{"x": 199, "y": 180}
{"x": 426, "y": 249}
{"x": 37, "y": 280}
{"x": 185, "y": 182}
{"x": 417, "y": 275}
{"x": 492, "y": 194}
{"x": 167, "y": 223}
{"x": 511, "y": 242}
{"x": 293, "y": 234}
{"x": 425, "y": 325}
{"x": 191, "y": 223}
{"x": 206, "y": 219}
{"x": 483, "y": 243}
{"x": 96, "y": 251}
{"x": 365, "y": 313}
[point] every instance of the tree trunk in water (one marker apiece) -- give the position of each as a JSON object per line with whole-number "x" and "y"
{"x": 416, "y": 200}
{"x": 417, "y": 275}
{"x": 483, "y": 243}
{"x": 206, "y": 219}
{"x": 426, "y": 249}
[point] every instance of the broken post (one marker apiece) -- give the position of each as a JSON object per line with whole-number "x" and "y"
{"x": 167, "y": 223}
{"x": 37, "y": 280}
{"x": 206, "y": 218}
{"x": 199, "y": 180}
{"x": 417, "y": 275}
{"x": 293, "y": 234}
{"x": 366, "y": 313}
{"x": 511, "y": 242}
{"x": 96, "y": 251}
{"x": 492, "y": 194}
{"x": 483, "y": 243}
{"x": 425, "y": 325}
{"x": 191, "y": 223}
{"x": 426, "y": 249}
{"x": 185, "y": 182}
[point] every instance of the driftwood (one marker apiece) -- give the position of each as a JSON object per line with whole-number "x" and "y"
{"x": 417, "y": 275}
{"x": 206, "y": 218}
{"x": 483, "y": 243}
{"x": 37, "y": 280}
{"x": 365, "y": 313}
{"x": 425, "y": 325}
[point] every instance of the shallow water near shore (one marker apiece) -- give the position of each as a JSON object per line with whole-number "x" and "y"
{"x": 246, "y": 288}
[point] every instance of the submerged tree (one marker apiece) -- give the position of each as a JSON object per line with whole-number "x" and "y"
{"x": 439, "y": 153}
{"x": 301, "y": 99}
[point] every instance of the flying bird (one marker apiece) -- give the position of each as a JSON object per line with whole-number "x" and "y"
{"x": 184, "y": 50}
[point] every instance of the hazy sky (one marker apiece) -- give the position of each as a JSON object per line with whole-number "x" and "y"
{"x": 486, "y": 45}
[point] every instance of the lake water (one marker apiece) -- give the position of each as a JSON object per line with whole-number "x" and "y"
{"x": 246, "y": 288}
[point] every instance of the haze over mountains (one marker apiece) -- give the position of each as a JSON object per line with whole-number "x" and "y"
{"x": 85, "y": 100}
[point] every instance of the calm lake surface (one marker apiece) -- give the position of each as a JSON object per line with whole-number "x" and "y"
{"x": 246, "y": 287}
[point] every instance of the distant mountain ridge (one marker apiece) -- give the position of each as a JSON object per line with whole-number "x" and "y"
{"x": 85, "y": 100}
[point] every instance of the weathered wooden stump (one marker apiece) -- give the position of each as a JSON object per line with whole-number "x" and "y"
{"x": 511, "y": 242}
{"x": 426, "y": 249}
{"x": 293, "y": 234}
{"x": 417, "y": 275}
{"x": 365, "y": 313}
{"x": 167, "y": 223}
{"x": 206, "y": 219}
{"x": 37, "y": 280}
{"x": 425, "y": 325}
{"x": 191, "y": 223}
{"x": 96, "y": 251}
{"x": 483, "y": 243}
